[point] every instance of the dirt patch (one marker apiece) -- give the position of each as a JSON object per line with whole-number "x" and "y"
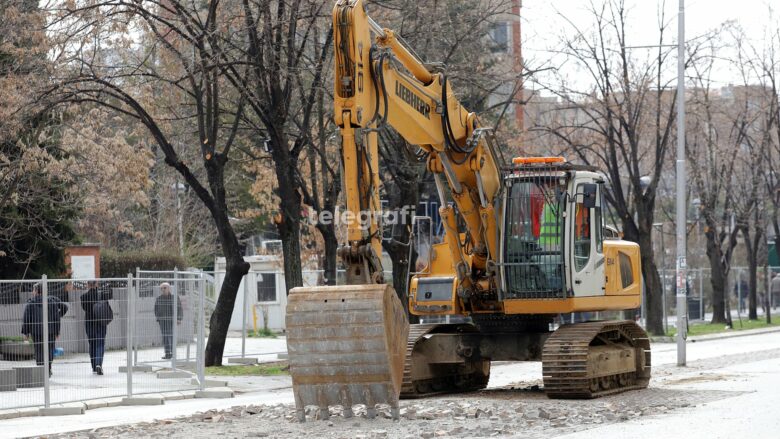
{"x": 701, "y": 378}
{"x": 492, "y": 413}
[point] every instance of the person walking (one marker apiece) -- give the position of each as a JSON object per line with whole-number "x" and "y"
{"x": 32, "y": 323}
{"x": 775, "y": 288}
{"x": 93, "y": 302}
{"x": 163, "y": 312}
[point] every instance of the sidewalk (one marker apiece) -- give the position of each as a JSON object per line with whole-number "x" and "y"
{"x": 72, "y": 379}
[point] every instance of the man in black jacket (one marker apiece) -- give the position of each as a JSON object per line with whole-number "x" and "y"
{"x": 96, "y": 329}
{"x": 32, "y": 323}
{"x": 163, "y": 312}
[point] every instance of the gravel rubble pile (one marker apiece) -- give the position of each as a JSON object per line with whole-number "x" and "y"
{"x": 490, "y": 413}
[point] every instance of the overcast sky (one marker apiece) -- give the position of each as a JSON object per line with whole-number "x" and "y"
{"x": 543, "y": 23}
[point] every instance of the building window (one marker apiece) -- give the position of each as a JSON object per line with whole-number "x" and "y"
{"x": 499, "y": 35}
{"x": 266, "y": 287}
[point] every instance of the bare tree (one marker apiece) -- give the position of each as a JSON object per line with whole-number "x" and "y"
{"x": 757, "y": 67}
{"x": 280, "y": 104}
{"x": 174, "y": 82}
{"x": 713, "y": 145}
{"x": 622, "y": 121}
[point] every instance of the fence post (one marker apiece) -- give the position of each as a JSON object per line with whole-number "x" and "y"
{"x": 200, "y": 354}
{"x": 701, "y": 294}
{"x": 46, "y": 359}
{"x": 130, "y": 329}
{"x": 243, "y": 318}
{"x": 663, "y": 299}
{"x": 739, "y": 291}
{"x": 175, "y": 322}
{"x": 138, "y": 280}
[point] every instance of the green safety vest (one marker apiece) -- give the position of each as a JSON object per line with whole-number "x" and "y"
{"x": 550, "y": 231}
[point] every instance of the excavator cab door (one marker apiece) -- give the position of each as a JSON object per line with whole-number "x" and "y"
{"x": 585, "y": 238}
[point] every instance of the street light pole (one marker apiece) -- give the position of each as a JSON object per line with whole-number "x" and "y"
{"x": 663, "y": 274}
{"x": 682, "y": 325}
{"x": 177, "y": 186}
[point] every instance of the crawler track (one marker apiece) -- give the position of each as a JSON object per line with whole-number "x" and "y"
{"x": 574, "y": 359}
{"x": 440, "y": 379}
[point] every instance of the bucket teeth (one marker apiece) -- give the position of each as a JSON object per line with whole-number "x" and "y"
{"x": 346, "y": 346}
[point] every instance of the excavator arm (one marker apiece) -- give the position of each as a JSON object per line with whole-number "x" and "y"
{"x": 378, "y": 80}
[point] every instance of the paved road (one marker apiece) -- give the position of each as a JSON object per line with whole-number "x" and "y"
{"x": 726, "y": 367}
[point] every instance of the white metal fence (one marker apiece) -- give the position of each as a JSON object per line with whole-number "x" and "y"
{"x": 700, "y": 292}
{"x": 89, "y": 356}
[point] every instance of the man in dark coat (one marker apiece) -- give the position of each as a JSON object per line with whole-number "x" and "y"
{"x": 32, "y": 323}
{"x": 96, "y": 330}
{"x": 163, "y": 312}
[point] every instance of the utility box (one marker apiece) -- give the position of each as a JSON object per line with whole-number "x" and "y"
{"x": 694, "y": 308}
{"x": 265, "y": 292}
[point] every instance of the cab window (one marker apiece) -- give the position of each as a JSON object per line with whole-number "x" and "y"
{"x": 582, "y": 231}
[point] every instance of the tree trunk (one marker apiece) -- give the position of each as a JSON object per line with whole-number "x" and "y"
{"x": 752, "y": 256}
{"x": 288, "y": 222}
{"x": 654, "y": 310}
{"x": 653, "y": 299}
{"x": 331, "y": 258}
{"x": 291, "y": 250}
{"x": 717, "y": 278}
{"x": 235, "y": 269}
{"x": 219, "y": 323}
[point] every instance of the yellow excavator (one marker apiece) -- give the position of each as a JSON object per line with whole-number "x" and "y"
{"x": 524, "y": 244}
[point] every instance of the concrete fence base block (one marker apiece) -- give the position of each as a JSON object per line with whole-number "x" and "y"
{"x": 172, "y": 396}
{"x": 172, "y": 374}
{"x": 10, "y": 414}
{"x": 210, "y": 383}
{"x": 7, "y": 380}
{"x": 143, "y": 368}
{"x": 223, "y": 392}
{"x": 29, "y": 376}
{"x": 244, "y": 360}
{"x": 102, "y": 402}
{"x": 143, "y": 400}
{"x": 63, "y": 410}
{"x": 186, "y": 364}
{"x": 281, "y": 356}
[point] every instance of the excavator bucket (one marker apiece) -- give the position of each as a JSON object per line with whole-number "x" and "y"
{"x": 346, "y": 346}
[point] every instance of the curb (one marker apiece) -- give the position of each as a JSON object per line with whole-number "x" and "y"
{"x": 91, "y": 404}
{"x": 718, "y": 336}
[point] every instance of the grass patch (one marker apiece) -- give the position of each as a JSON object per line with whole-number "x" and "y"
{"x": 11, "y": 339}
{"x": 261, "y": 333}
{"x": 266, "y": 369}
{"x": 708, "y": 328}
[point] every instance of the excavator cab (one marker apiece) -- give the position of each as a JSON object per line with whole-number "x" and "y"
{"x": 553, "y": 245}
{"x": 533, "y": 246}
